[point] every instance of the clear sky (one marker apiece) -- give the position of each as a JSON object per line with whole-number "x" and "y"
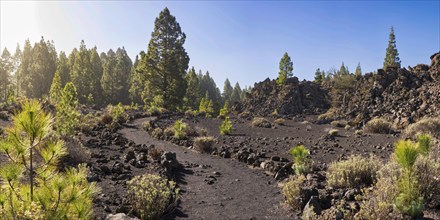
{"x": 241, "y": 40}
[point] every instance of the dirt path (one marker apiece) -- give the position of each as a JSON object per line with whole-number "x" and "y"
{"x": 234, "y": 192}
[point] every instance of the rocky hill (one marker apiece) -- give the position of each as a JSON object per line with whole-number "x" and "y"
{"x": 293, "y": 98}
{"x": 402, "y": 95}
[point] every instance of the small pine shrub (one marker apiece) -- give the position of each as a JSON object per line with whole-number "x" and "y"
{"x": 279, "y": 121}
{"x": 32, "y": 187}
{"x": 299, "y": 154}
{"x": 225, "y": 110}
{"x": 179, "y": 128}
{"x": 226, "y": 127}
{"x": 292, "y": 191}
{"x": 118, "y": 113}
{"x": 355, "y": 172}
{"x": 333, "y": 132}
{"x": 169, "y": 132}
{"x": 347, "y": 127}
{"x": 429, "y": 126}
{"x": 359, "y": 132}
{"x": 152, "y": 196}
{"x": 261, "y": 122}
{"x": 204, "y": 144}
{"x": 378, "y": 126}
{"x": 408, "y": 200}
{"x": 423, "y": 143}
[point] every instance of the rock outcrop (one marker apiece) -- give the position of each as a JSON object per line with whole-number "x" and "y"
{"x": 401, "y": 96}
{"x": 293, "y": 98}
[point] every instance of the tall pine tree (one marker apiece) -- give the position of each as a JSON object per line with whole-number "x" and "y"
{"x": 286, "y": 68}
{"x": 6, "y": 65}
{"x": 41, "y": 69}
{"x": 193, "y": 95}
{"x": 166, "y": 62}
{"x": 392, "y": 56}
{"x": 358, "y": 71}
{"x": 23, "y": 69}
{"x": 63, "y": 68}
{"x": 136, "y": 82}
{"x": 227, "y": 90}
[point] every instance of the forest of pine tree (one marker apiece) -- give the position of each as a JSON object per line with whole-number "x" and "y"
{"x": 110, "y": 78}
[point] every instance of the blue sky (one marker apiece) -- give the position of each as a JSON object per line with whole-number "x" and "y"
{"x": 239, "y": 40}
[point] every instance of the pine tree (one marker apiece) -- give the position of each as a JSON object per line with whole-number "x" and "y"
{"x": 109, "y": 81}
{"x": 41, "y": 69}
{"x": 358, "y": 71}
{"x": 95, "y": 77}
{"x": 6, "y": 65}
{"x": 23, "y": 74}
{"x": 16, "y": 63}
{"x": 123, "y": 69}
{"x": 193, "y": 94}
{"x": 136, "y": 82}
{"x": 63, "y": 68}
{"x": 165, "y": 63}
{"x": 236, "y": 93}
{"x": 67, "y": 114}
{"x": 318, "y": 76}
{"x": 392, "y": 56}
{"x": 227, "y": 90}
{"x": 343, "y": 70}
{"x": 286, "y": 68}
{"x": 56, "y": 91}
{"x": 31, "y": 186}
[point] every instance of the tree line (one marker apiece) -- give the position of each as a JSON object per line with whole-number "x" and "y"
{"x": 160, "y": 77}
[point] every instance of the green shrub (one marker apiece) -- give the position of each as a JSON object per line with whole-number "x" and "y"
{"x": 299, "y": 154}
{"x": 118, "y": 113}
{"x": 157, "y": 133}
{"x": 333, "y": 132}
{"x": 355, "y": 172}
{"x": 378, "y": 203}
{"x": 339, "y": 124}
{"x": 378, "y": 126}
{"x": 245, "y": 114}
{"x": 204, "y": 144}
{"x": 154, "y": 111}
{"x": 427, "y": 172}
{"x": 347, "y": 127}
{"x": 279, "y": 121}
{"x": 152, "y": 196}
{"x": 226, "y": 127}
{"x": 429, "y": 126}
{"x": 359, "y": 132}
{"x": 148, "y": 125}
{"x": 330, "y": 114}
{"x": 261, "y": 122}
{"x": 292, "y": 191}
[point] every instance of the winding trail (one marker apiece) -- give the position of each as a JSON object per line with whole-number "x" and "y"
{"x": 237, "y": 191}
